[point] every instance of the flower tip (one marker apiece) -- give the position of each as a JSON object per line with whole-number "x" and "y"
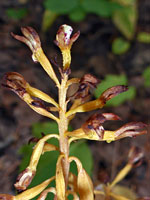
{"x": 30, "y": 38}
{"x": 131, "y": 129}
{"x": 67, "y": 32}
{"x": 63, "y": 36}
{"x": 135, "y": 156}
{"x": 113, "y": 91}
{"x": 24, "y": 179}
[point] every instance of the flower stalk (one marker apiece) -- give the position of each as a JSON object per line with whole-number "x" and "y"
{"x": 66, "y": 183}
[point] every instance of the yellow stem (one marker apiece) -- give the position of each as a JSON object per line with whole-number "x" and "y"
{"x": 121, "y": 175}
{"x": 66, "y": 58}
{"x": 63, "y": 126}
{"x": 118, "y": 197}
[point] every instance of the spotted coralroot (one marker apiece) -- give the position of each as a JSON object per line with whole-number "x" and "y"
{"x": 80, "y": 186}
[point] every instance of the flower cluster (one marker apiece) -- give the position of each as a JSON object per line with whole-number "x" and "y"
{"x": 66, "y": 183}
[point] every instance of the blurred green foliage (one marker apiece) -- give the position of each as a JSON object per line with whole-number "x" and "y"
{"x": 143, "y": 37}
{"x": 78, "y": 9}
{"x": 146, "y": 76}
{"x": 112, "y": 80}
{"x": 123, "y": 13}
{"x": 47, "y": 164}
{"x": 120, "y": 46}
{"x": 16, "y": 13}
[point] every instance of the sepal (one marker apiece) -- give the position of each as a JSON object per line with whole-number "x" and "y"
{"x": 60, "y": 180}
{"x": 84, "y": 183}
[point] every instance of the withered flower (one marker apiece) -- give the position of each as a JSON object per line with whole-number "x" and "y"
{"x": 30, "y": 38}
{"x": 100, "y": 102}
{"x": 16, "y": 82}
{"x": 131, "y": 129}
{"x": 113, "y": 91}
{"x": 86, "y": 82}
{"x": 135, "y": 156}
{"x": 94, "y": 123}
{"x": 24, "y": 179}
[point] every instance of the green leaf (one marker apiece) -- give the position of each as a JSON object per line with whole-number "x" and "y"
{"x": 146, "y": 76}
{"x": 16, "y": 13}
{"x": 77, "y": 14}
{"x": 45, "y": 127}
{"x": 60, "y": 6}
{"x": 112, "y": 80}
{"x": 143, "y": 37}
{"x": 82, "y": 151}
{"x": 120, "y": 46}
{"x": 125, "y": 20}
{"x": 103, "y": 8}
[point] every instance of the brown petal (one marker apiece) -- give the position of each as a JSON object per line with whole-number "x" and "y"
{"x": 15, "y": 82}
{"x": 113, "y": 91}
{"x": 131, "y": 129}
{"x": 86, "y": 82}
{"x": 74, "y": 37}
{"x": 90, "y": 80}
{"x": 95, "y": 123}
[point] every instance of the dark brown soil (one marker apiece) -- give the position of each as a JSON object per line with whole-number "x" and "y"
{"x": 90, "y": 54}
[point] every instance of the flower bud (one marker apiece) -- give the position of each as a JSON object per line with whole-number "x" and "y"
{"x": 64, "y": 42}
{"x": 63, "y": 37}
